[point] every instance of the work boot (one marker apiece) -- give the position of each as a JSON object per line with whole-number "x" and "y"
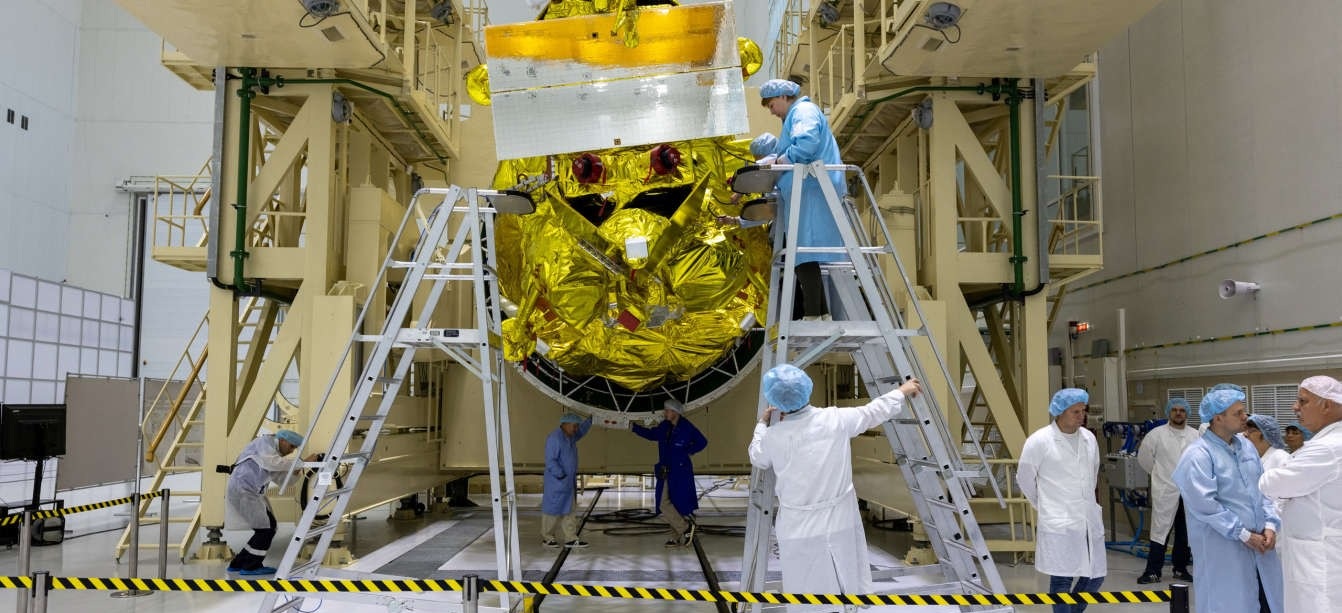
{"x": 1182, "y": 575}
{"x": 1150, "y": 578}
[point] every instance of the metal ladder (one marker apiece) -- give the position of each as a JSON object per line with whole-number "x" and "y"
{"x": 469, "y": 256}
{"x": 868, "y": 327}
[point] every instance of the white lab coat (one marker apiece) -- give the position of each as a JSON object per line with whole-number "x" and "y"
{"x": 259, "y": 465}
{"x": 1158, "y": 455}
{"x": 821, "y": 542}
{"x": 1059, "y": 481}
{"x": 1310, "y": 484}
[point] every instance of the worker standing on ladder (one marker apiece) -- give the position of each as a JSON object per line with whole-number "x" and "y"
{"x": 1057, "y": 471}
{"x": 1159, "y": 453}
{"x": 677, "y": 439}
{"x": 821, "y": 543}
{"x": 261, "y": 462}
{"x": 806, "y": 138}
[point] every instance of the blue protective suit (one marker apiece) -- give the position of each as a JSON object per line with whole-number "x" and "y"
{"x": 806, "y": 138}
{"x": 674, "y": 470}
{"x": 561, "y": 470}
{"x": 1219, "y": 485}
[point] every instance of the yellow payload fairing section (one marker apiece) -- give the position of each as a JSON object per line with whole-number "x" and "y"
{"x": 622, "y": 125}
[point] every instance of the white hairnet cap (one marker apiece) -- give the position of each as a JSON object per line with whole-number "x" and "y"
{"x": 1216, "y": 403}
{"x": 1324, "y": 387}
{"x": 763, "y": 145}
{"x": 1065, "y": 398}
{"x": 774, "y": 88}
{"x": 787, "y": 387}
{"x": 672, "y": 404}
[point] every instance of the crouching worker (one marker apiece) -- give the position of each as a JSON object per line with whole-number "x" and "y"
{"x": 261, "y": 462}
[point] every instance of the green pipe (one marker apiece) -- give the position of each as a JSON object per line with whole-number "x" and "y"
{"x": 239, "y": 253}
{"x": 1018, "y": 258}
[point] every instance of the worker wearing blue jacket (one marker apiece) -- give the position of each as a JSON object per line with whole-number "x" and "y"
{"x": 561, "y": 482}
{"x": 677, "y": 499}
{"x": 1232, "y": 526}
{"x": 806, "y": 138}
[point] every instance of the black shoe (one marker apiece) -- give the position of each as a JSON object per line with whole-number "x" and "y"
{"x": 1182, "y": 575}
{"x": 1148, "y": 578}
{"x": 577, "y": 544}
{"x": 673, "y": 543}
{"x": 551, "y": 543}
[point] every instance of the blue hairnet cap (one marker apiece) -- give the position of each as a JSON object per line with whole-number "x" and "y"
{"x": 787, "y": 387}
{"x": 1065, "y": 398}
{"x": 570, "y": 418}
{"x": 289, "y": 436}
{"x": 1226, "y": 386}
{"x": 774, "y": 88}
{"x": 1217, "y": 401}
{"x": 1271, "y": 432}
{"x": 1303, "y": 430}
{"x": 1175, "y": 402}
{"x": 763, "y": 145}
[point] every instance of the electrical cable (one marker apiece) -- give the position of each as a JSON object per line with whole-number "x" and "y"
{"x": 942, "y": 31}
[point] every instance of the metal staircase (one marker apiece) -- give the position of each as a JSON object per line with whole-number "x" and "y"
{"x": 173, "y": 415}
{"x": 886, "y": 350}
{"x": 467, "y": 257}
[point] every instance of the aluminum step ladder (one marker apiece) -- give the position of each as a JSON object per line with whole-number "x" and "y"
{"x": 867, "y": 326}
{"x": 468, "y": 257}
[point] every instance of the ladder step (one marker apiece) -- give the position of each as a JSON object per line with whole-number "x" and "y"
{"x": 303, "y": 569}
{"x": 179, "y": 468}
{"x": 315, "y": 532}
{"x": 387, "y": 380}
{"x": 340, "y": 492}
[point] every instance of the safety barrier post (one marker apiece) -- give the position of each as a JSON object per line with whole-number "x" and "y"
{"x": 40, "y": 587}
{"x": 134, "y": 547}
{"x": 163, "y": 535}
{"x": 470, "y": 594}
{"x": 1179, "y": 598}
{"x": 25, "y": 556}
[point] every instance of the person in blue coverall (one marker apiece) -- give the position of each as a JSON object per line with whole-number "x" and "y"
{"x": 677, "y": 499}
{"x": 1232, "y": 526}
{"x": 561, "y": 482}
{"x": 805, "y": 138}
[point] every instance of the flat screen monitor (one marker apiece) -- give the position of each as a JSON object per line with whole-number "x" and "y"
{"x": 32, "y": 431}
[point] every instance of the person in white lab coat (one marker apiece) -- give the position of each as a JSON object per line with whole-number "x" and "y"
{"x": 821, "y": 543}
{"x": 1310, "y": 484}
{"x": 1160, "y": 451}
{"x": 1057, "y": 471}
{"x": 1232, "y": 526}
{"x": 261, "y": 463}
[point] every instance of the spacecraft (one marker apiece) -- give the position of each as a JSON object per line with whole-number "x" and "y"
{"x": 621, "y": 120}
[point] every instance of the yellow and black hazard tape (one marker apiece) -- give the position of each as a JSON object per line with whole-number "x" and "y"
{"x": 590, "y": 591}
{"x": 62, "y": 512}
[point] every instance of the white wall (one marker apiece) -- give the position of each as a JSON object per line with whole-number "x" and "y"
{"x": 40, "y": 42}
{"x": 1220, "y": 121}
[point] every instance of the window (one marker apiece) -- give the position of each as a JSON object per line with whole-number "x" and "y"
{"x": 1275, "y": 401}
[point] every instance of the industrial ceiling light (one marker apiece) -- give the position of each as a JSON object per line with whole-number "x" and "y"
{"x": 321, "y": 8}
{"x": 442, "y": 12}
{"x": 942, "y": 15}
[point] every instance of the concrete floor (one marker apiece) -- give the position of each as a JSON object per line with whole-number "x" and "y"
{"x": 450, "y": 545}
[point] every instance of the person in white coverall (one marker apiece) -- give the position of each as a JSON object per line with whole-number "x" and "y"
{"x": 261, "y": 463}
{"x": 821, "y": 542}
{"x": 1160, "y": 451}
{"x": 1056, "y": 473}
{"x": 1310, "y": 486}
{"x": 1232, "y": 526}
